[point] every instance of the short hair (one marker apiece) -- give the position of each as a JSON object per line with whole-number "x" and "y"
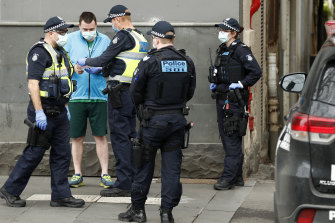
{"x": 237, "y": 33}
{"x": 126, "y": 17}
{"x": 165, "y": 40}
{"x": 87, "y": 17}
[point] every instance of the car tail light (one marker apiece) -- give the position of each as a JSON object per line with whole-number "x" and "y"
{"x": 321, "y": 125}
{"x": 306, "y": 216}
{"x": 299, "y": 126}
{"x": 319, "y": 129}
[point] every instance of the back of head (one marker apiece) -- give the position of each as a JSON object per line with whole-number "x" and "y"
{"x": 164, "y": 31}
{"x": 119, "y": 11}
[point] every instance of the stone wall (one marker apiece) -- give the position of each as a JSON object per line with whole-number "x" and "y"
{"x": 199, "y": 161}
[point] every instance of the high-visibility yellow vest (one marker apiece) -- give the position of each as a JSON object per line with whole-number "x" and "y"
{"x": 50, "y": 86}
{"x": 132, "y": 57}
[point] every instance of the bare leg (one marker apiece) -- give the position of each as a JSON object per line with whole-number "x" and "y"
{"x": 102, "y": 152}
{"x": 77, "y": 153}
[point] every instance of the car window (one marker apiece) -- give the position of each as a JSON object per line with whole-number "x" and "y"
{"x": 326, "y": 90}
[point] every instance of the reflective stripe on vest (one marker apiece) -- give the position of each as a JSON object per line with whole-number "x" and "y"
{"x": 132, "y": 57}
{"x": 55, "y": 69}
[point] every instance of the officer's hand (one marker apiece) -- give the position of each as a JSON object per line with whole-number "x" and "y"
{"x": 68, "y": 112}
{"x": 233, "y": 86}
{"x": 81, "y": 61}
{"x": 212, "y": 87}
{"x": 78, "y": 69}
{"x": 93, "y": 70}
{"x": 41, "y": 119}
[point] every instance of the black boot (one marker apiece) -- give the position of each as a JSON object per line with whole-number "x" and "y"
{"x": 132, "y": 214}
{"x": 221, "y": 184}
{"x": 68, "y": 202}
{"x": 166, "y": 215}
{"x": 11, "y": 200}
{"x": 115, "y": 192}
{"x": 239, "y": 181}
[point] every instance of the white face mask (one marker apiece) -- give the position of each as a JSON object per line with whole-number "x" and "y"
{"x": 89, "y": 35}
{"x": 223, "y": 37}
{"x": 62, "y": 40}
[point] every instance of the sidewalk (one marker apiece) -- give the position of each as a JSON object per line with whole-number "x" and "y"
{"x": 200, "y": 203}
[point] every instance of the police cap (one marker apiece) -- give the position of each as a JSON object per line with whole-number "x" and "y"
{"x": 160, "y": 29}
{"x": 229, "y": 24}
{"x": 56, "y": 23}
{"x": 117, "y": 11}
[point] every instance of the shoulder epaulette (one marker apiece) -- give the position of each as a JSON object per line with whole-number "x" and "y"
{"x": 183, "y": 51}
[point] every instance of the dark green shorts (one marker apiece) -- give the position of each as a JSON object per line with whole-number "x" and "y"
{"x": 96, "y": 112}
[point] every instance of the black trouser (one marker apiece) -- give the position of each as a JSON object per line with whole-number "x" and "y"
{"x": 232, "y": 145}
{"x": 60, "y": 157}
{"x": 165, "y": 132}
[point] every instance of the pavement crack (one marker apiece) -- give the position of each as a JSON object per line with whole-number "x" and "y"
{"x": 87, "y": 205}
{"x": 202, "y": 209}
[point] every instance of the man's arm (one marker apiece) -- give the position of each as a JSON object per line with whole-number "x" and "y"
{"x": 251, "y": 66}
{"x": 191, "y": 89}
{"x": 119, "y": 43}
{"x": 139, "y": 83}
{"x": 34, "y": 90}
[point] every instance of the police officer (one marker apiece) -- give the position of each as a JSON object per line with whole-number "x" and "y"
{"x": 119, "y": 62}
{"x": 234, "y": 71}
{"x": 163, "y": 82}
{"x": 49, "y": 72}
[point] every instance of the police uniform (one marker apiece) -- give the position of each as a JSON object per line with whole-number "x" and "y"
{"x": 163, "y": 82}
{"x": 234, "y": 64}
{"x": 47, "y": 64}
{"x": 119, "y": 62}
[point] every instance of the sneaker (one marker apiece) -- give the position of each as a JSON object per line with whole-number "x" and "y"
{"x": 106, "y": 181}
{"x": 76, "y": 181}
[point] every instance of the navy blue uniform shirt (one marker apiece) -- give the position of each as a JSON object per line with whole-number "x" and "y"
{"x": 244, "y": 55}
{"x": 122, "y": 41}
{"x": 148, "y": 67}
{"x": 39, "y": 59}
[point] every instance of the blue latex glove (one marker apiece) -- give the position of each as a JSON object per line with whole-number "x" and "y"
{"x": 93, "y": 70}
{"x": 212, "y": 87}
{"x": 41, "y": 119}
{"x": 233, "y": 86}
{"x": 68, "y": 112}
{"x": 81, "y": 61}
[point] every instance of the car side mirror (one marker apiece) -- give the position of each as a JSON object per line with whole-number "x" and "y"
{"x": 293, "y": 82}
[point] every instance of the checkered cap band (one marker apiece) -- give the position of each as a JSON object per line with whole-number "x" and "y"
{"x": 54, "y": 27}
{"x": 230, "y": 27}
{"x": 161, "y": 35}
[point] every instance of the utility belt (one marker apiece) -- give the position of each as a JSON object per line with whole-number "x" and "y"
{"x": 144, "y": 114}
{"x": 51, "y": 110}
{"x": 113, "y": 89}
{"x": 231, "y": 96}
